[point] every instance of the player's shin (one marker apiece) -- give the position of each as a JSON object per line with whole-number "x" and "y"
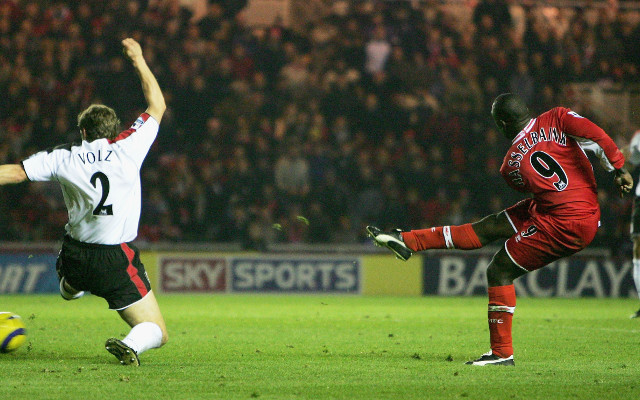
{"x": 502, "y": 304}
{"x": 461, "y": 237}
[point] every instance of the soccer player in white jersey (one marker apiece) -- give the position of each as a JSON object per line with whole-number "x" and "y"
{"x": 633, "y": 156}
{"x": 100, "y": 181}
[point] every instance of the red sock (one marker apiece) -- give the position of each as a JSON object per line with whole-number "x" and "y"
{"x": 502, "y": 304}
{"x": 442, "y": 237}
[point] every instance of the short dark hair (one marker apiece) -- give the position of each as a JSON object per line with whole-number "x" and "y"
{"x": 510, "y": 109}
{"x": 99, "y": 121}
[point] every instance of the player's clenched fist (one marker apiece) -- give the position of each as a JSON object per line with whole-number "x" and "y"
{"x": 131, "y": 48}
{"x": 624, "y": 181}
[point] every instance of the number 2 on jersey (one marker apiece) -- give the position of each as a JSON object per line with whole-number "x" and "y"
{"x": 547, "y": 167}
{"x": 101, "y": 208}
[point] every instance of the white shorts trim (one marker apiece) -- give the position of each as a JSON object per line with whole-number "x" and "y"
{"x": 137, "y": 301}
{"x": 514, "y": 261}
{"x": 510, "y": 221}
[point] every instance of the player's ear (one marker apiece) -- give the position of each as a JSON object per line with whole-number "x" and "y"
{"x": 83, "y": 133}
{"x": 502, "y": 126}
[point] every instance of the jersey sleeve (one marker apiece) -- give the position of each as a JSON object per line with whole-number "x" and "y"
{"x": 581, "y": 128}
{"x": 42, "y": 166}
{"x": 137, "y": 140}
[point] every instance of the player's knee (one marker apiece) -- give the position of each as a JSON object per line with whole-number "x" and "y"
{"x": 486, "y": 224}
{"x": 494, "y": 275}
{"x": 492, "y": 227}
{"x": 502, "y": 271}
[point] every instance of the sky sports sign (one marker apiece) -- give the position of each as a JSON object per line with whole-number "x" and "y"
{"x": 581, "y": 275}
{"x": 260, "y": 274}
{"x": 196, "y": 275}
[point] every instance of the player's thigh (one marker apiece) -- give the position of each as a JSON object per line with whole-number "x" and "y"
{"x": 145, "y": 310}
{"x": 72, "y": 263}
{"x": 117, "y": 275}
{"x": 493, "y": 227}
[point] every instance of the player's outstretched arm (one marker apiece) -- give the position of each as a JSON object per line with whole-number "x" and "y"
{"x": 12, "y": 173}
{"x": 150, "y": 88}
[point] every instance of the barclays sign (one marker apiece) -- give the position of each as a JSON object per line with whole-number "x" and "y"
{"x": 463, "y": 274}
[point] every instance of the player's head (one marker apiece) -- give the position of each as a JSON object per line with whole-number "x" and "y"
{"x": 97, "y": 122}
{"x": 510, "y": 114}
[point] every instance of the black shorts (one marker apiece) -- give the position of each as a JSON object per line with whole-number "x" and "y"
{"x": 113, "y": 272}
{"x": 635, "y": 216}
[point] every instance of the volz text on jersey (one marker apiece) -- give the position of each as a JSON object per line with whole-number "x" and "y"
{"x": 91, "y": 157}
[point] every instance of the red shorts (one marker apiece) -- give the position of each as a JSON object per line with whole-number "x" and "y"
{"x": 542, "y": 238}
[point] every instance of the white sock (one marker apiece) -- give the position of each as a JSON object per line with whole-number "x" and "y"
{"x": 144, "y": 336}
{"x": 636, "y": 274}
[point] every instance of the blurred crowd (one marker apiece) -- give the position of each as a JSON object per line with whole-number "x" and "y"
{"x": 368, "y": 113}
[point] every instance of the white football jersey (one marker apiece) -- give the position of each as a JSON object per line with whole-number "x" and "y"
{"x": 100, "y": 182}
{"x": 634, "y": 154}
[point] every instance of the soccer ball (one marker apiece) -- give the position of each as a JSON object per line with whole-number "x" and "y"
{"x": 12, "y": 332}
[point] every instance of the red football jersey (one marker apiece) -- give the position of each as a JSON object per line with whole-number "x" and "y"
{"x": 547, "y": 159}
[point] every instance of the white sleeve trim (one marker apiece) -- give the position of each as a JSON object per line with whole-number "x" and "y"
{"x": 593, "y": 147}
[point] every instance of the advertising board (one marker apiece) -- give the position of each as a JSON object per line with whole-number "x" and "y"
{"x": 581, "y": 275}
{"x": 184, "y": 273}
{"x": 25, "y": 272}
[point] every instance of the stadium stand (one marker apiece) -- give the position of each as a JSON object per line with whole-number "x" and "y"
{"x": 370, "y": 112}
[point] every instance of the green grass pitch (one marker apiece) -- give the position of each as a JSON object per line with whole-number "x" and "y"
{"x": 329, "y": 347}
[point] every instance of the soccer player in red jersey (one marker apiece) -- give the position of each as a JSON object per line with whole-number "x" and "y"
{"x": 547, "y": 158}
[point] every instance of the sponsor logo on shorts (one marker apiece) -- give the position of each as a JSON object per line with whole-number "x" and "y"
{"x": 530, "y": 231}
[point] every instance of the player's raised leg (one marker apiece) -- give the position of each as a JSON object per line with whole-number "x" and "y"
{"x": 148, "y": 331}
{"x": 463, "y": 237}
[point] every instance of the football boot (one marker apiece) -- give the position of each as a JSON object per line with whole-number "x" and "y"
{"x": 391, "y": 240}
{"x": 491, "y": 359}
{"x": 125, "y": 354}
